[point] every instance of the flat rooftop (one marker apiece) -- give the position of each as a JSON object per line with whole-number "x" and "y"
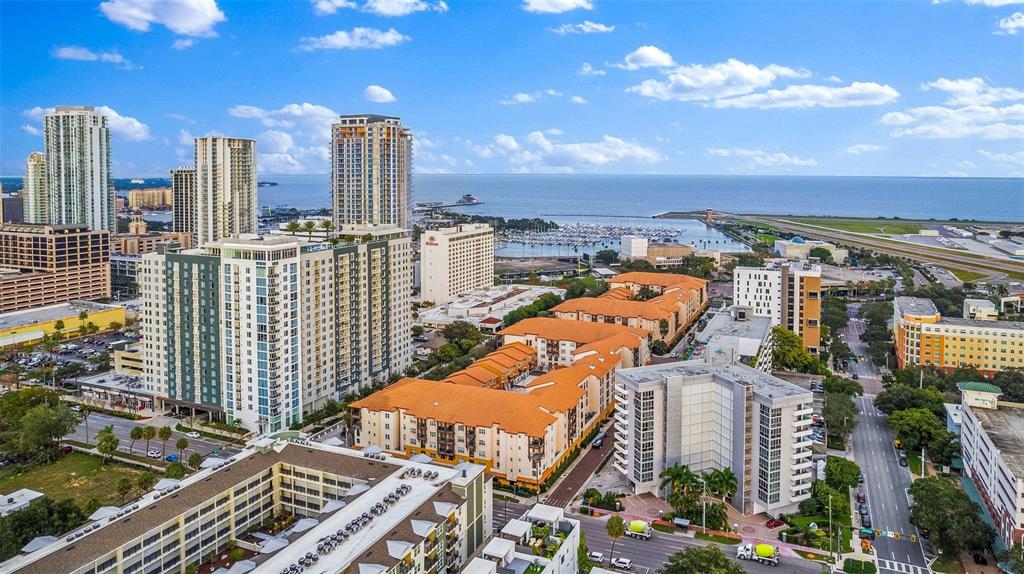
{"x": 381, "y": 477}
{"x": 37, "y": 315}
{"x": 1015, "y": 325}
{"x": 915, "y": 306}
{"x": 1005, "y": 428}
{"x": 722, "y": 324}
{"x": 768, "y": 386}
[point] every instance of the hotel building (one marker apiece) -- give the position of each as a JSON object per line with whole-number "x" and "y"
{"x": 371, "y": 170}
{"x": 47, "y": 264}
{"x": 789, "y": 292}
{"x": 225, "y": 180}
{"x": 357, "y": 513}
{"x": 455, "y": 261}
{"x": 924, "y": 337}
{"x": 183, "y": 201}
{"x": 265, "y": 330}
{"x": 35, "y": 193}
{"x": 79, "y": 190}
{"x": 713, "y": 414}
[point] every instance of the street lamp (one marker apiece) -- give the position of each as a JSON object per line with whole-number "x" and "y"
{"x": 703, "y": 504}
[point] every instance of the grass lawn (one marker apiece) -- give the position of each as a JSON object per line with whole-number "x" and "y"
{"x": 716, "y": 538}
{"x": 887, "y": 226}
{"x": 766, "y": 239}
{"x": 967, "y": 276}
{"x": 76, "y": 475}
{"x": 948, "y": 564}
{"x": 803, "y": 522}
{"x": 914, "y": 463}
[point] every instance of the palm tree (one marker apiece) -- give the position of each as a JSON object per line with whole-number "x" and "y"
{"x": 728, "y": 483}
{"x": 309, "y": 227}
{"x": 292, "y": 227}
{"x": 327, "y": 226}
{"x": 678, "y": 477}
{"x": 165, "y": 435}
{"x": 148, "y": 433}
{"x": 182, "y": 444}
{"x": 135, "y": 435}
{"x": 616, "y": 528}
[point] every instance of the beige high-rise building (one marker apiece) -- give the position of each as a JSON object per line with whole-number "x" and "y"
{"x": 78, "y": 168}
{"x": 35, "y": 194}
{"x": 456, "y": 260}
{"x": 371, "y": 170}
{"x": 157, "y": 197}
{"x": 183, "y": 200}
{"x": 225, "y": 178}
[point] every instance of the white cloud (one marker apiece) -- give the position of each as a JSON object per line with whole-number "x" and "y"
{"x": 537, "y": 153}
{"x": 124, "y": 127}
{"x": 646, "y": 57}
{"x": 357, "y": 39}
{"x": 1011, "y": 24}
{"x": 506, "y": 142}
{"x": 578, "y": 100}
{"x": 855, "y": 95}
{"x": 388, "y": 8}
{"x": 528, "y": 97}
{"x": 183, "y": 43}
{"x": 938, "y": 122}
{"x": 858, "y": 149}
{"x": 31, "y": 130}
{"x": 188, "y": 18}
{"x": 308, "y": 130}
{"x": 331, "y": 6}
{"x": 586, "y": 27}
{"x": 995, "y": 3}
{"x": 757, "y": 158}
{"x": 722, "y": 80}
{"x": 965, "y": 164}
{"x": 84, "y": 54}
{"x": 834, "y": 79}
{"x": 185, "y": 137}
{"x": 1012, "y": 158}
{"x": 587, "y": 70}
{"x": 378, "y": 94}
{"x": 556, "y": 6}
{"x": 973, "y": 91}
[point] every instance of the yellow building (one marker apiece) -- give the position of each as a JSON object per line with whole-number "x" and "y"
{"x": 150, "y": 198}
{"x": 28, "y": 327}
{"x": 925, "y": 337}
{"x": 128, "y": 361}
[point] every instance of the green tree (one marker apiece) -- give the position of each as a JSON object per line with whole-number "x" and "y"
{"x": 606, "y": 256}
{"x": 182, "y": 444}
{"x": 461, "y": 330}
{"x": 678, "y": 478}
{"x": 165, "y": 435}
{"x": 43, "y": 517}
{"x": 953, "y": 520}
{"x": 194, "y": 460}
{"x": 448, "y": 353}
{"x": 823, "y": 254}
{"x": 59, "y": 325}
{"x": 840, "y": 414}
{"x": 1011, "y": 381}
{"x": 293, "y": 227}
{"x": 1013, "y": 557}
{"x": 417, "y": 330}
{"x": 148, "y": 433}
{"x": 700, "y": 560}
{"x": 124, "y": 488}
{"x": 943, "y": 447}
{"x": 663, "y": 327}
{"x": 175, "y": 470}
{"x": 135, "y": 434}
{"x": 900, "y": 397}
{"x": 309, "y": 226}
{"x": 915, "y": 427}
{"x": 90, "y": 505}
{"x": 837, "y": 384}
{"x": 327, "y": 226}
{"x": 722, "y": 483}
{"x": 789, "y": 354}
{"x": 575, "y": 288}
{"x": 146, "y": 480}
{"x": 41, "y": 428}
{"x": 106, "y": 442}
{"x": 841, "y": 473}
{"x": 616, "y": 528}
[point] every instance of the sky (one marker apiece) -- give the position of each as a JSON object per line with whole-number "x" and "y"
{"x": 912, "y": 88}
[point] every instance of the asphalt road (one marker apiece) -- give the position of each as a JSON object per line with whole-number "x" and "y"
{"x": 885, "y": 484}
{"x": 869, "y": 375}
{"x": 563, "y": 492}
{"x": 123, "y": 429}
{"x": 650, "y": 555}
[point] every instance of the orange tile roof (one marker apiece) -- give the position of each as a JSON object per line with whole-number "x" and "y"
{"x": 599, "y": 364}
{"x": 619, "y": 293}
{"x": 474, "y": 375}
{"x": 513, "y": 412}
{"x": 659, "y": 279}
{"x": 651, "y": 310}
{"x": 610, "y": 344}
{"x": 561, "y": 389}
{"x": 582, "y": 332}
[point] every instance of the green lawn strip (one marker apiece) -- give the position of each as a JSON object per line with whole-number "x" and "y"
{"x": 136, "y": 457}
{"x": 966, "y": 276}
{"x": 948, "y": 564}
{"x": 205, "y": 433}
{"x": 76, "y": 475}
{"x": 914, "y": 463}
{"x": 714, "y": 537}
{"x": 887, "y": 226}
{"x": 766, "y": 239}
{"x": 855, "y": 566}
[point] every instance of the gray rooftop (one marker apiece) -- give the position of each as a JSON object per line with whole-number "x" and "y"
{"x": 49, "y": 313}
{"x": 768, "y": 386}
{"x": 722, "y": 324}
{"x": 1005, "y": 428}
{"x": 915, "y": 306}
{"x": 1018, "y": 325}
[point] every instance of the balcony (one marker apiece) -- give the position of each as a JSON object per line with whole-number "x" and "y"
{"x": 806, "y": 475}
{"x": 800, "y": 486}
{"x": 801, "y": 444}
{"x": 805, "y": 412}
{"x": 802, "y": 465}
{"x": 619, "y": 467}
{"x": 801, "y": 454}
{"x": 800, "y": 497}
{"x": 801, "y": 422}
{"x": 620, "y": 409}
{"x": 802, "y": 433}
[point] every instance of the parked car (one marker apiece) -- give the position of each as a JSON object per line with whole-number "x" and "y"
{"x": 774, "y": 523}
{"x": 865, "y": 520}
{"x": 863, "y": 508}
{"x": 861, "y": 497}
{"x": 153, "y": 454}
{"x": 860, "y": 478}
{"x": 171, "y": 458}
{"x": 76, "y": 408}
{"x": 622, "y": 563}
{"x": 596, "y": 557}
{"x": 856, "y": 377}
{"x": 192, "y": 434}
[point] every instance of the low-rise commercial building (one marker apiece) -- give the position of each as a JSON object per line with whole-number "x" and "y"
{"x": 713, "y": 414}
{"x": 739, "y": 335}
{"x": 357, "y": 514}
{"x": 800, "y": 248}
{"x": 789, "y": 292}
{"x": 511, "y": 549}
{"x": 29, "y": 326}
{"x": 992, "y": 448}
{"x": 980, "y": 309}
{"x": 924, "y": 337}
{"x": 661, "y": 254}
{"x": 48, "y": 264}
{"x": 455, "y": 261}
{"x": 485, "y": 308}
{"x": 17, "y": 500}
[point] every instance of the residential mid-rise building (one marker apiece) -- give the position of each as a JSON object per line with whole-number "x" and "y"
{"x": 455, "y": 261}
{"x": 515, "y": 549}
{"x": 714, "y": 414}
{"x": 263, "y": 330}
{"x": 991, "y": 432}
{"x": 79, "y": 189}
{"x": 556, "y": 340}
{"x": 371, "y": 170}
{"x": 183, "y": 201}
{"x": 48, "y": 264}
{"x": 739, "y": 335}
{"x": 924, "y": 337}
{"x": 34, "y": 193}
{"x": 225, "y": 183}
{"x": 140, "y": 240}
{"x": 150, "y": 198}
{"x": 787, "y": 291}
{"x": 356, "y": 513}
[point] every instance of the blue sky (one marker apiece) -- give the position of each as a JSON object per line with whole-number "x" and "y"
{"x": 535, "y": 86}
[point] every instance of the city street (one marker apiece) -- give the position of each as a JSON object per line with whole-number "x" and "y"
{"x": 886, "y": 483}
{"x": 574, "y": 479}
{"x": 123, "y": 429}
{"x": 869, "y": 375}
{"x": 649, "y": 555}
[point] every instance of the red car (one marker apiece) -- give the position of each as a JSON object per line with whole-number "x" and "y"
{"x": 861, "y": 497}
{"x": 774, "y": 523}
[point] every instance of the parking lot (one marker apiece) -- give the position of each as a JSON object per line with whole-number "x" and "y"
{"x": 76, "y": 350}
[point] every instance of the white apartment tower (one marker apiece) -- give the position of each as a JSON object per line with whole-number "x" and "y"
{"x": 789, "y": 292}
{"x": 713, "y": 414}
{"x": 183, "y": 201}
{"x": 79, "y": 190}
{"x": 456, "y": 260}
{"x": 225, "y": 181}
{"x": 35, "y": 194}
{"x": 371, "y": 170}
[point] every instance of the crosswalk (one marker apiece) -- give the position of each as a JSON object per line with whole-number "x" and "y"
{"x": 888, "y": 566}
